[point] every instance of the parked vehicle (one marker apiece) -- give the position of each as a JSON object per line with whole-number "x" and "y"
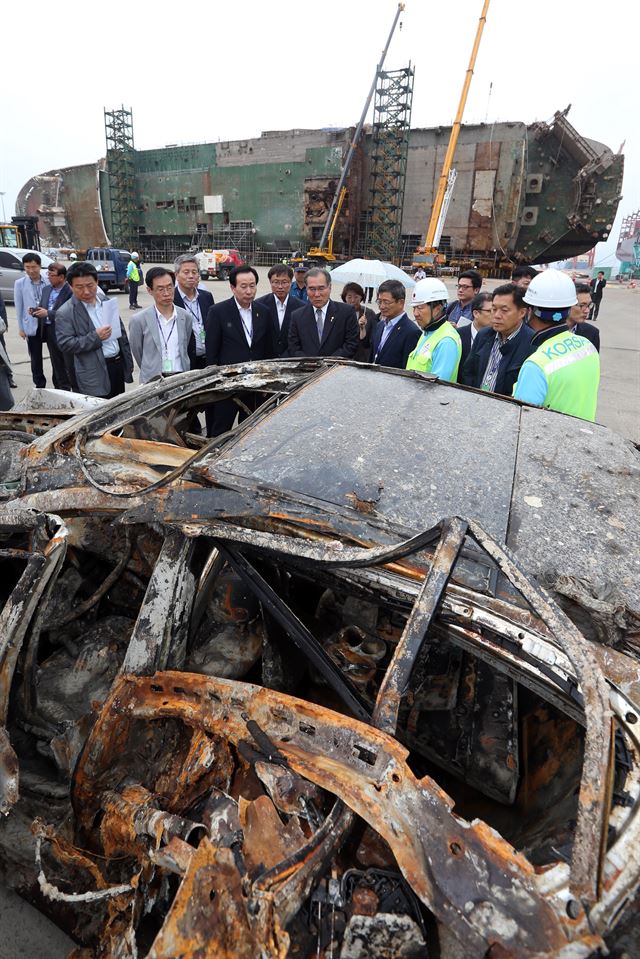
{"x": 217, "y": 264}
{"x": 111, "y": 265}
{"x": 11, "y": 268}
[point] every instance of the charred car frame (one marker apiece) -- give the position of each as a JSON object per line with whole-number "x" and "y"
{"x": 349, "y": 680}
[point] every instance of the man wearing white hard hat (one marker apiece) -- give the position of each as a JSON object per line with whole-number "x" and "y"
{"x": 439, "y": 349}
{"x": 133, "y": 279}
{"x": 563, "y": 371}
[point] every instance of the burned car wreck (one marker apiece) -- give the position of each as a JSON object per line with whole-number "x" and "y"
{"x": 333, "y": 684}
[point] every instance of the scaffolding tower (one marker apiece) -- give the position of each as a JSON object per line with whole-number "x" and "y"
{"x": 118, "y": 127}
{"x": 388, "y": 157}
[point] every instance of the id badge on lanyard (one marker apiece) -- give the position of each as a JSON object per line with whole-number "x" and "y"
{"x": 167, "y": 364}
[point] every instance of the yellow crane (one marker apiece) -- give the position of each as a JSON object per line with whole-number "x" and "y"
{"x": 429, "y": 253}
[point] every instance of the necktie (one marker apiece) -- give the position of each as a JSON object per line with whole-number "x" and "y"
{"x": 319, "y": 323}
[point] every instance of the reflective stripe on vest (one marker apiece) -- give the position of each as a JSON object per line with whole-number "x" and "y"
{"x": 421, "y": 358}
{"x": 571, "y": 367}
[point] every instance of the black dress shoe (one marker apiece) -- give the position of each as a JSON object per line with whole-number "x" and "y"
{"x": 12, "y": 383}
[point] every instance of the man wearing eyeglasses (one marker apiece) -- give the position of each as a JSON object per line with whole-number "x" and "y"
{"x": 395, "y": 336}
{"x": 53, "y": 297}
{"x": 323, "y": 327}
{"x": 579, "y": 315}
{"x": 459, "y": 313}
{"x": 481, "y": 312}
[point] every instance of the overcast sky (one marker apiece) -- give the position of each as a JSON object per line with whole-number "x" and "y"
{"x": 210, "y": 71}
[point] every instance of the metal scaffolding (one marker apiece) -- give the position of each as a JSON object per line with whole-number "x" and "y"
{"x": 118, "y": 127}
{"x": 388, "y": 157}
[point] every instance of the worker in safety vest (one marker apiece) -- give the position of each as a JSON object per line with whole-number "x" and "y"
{"x": 439, "y": 349}
{"x": 133, "y": 278}
{"x": 563, "y": 371}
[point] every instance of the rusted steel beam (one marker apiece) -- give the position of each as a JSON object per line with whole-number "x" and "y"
{"x": 396, "y": 678}
{"x": 22, "y": 615}
{"x": 160, "y": 634}
{"x": 473, "y": 881}
{"x": 591, "y": 826}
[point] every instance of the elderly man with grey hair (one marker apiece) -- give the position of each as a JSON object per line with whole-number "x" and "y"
{"x": 323, "y": 327}
{"x": 195, "y": 300}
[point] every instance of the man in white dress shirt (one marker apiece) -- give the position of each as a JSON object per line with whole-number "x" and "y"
{"x": 236, "y": 331}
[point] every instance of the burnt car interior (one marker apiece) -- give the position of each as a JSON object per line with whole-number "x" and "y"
{"x": 268, "y": 723}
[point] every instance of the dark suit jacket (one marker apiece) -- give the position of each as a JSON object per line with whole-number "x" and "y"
{"x": 225, "y": 340}
{"x": 601, "y": 285}
{"x": 465, "y": 338}
{"x": 280, "y": 334}
{"x": 398, "y": 345}
{"x": 590, "y": 332}
{"x": 205, "y": 299}
{"x": 514, "y": 353}
{"x": 340, "y": 335}
{"x": 64, "y": 295}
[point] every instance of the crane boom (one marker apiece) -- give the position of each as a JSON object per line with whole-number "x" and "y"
{"x": 329, "y": 226}
{"x": 429, "y": 243}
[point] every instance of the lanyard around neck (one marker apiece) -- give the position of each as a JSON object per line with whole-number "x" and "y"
{"x": 165, "y": 340}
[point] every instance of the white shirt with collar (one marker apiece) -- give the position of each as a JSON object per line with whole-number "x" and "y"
{"x": 192, "y": 306}
{"x": 168, "y": 331}
{"x": 246, "y": 318}
{"x": 324, "y": 312}
{"x": 110, "y": 348}
{"x": 281, "y": 308}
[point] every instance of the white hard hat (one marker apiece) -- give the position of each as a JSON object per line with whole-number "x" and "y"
{"x": 134, "y": 256}
{"x": 551, "y": 290}
{"x": 430, "y": 290}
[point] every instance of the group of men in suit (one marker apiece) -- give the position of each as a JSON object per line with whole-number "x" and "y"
{"x": 185, "y": 329}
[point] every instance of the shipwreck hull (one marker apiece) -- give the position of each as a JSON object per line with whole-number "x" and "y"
{"x": 535, "y": 194}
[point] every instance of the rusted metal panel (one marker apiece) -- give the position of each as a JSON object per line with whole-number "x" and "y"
{"x": 453, "y": 866}
{"x": 182, "y": 777}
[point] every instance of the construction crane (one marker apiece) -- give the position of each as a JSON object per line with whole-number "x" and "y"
{"x": 324, "y": 252}
{"x": 428, "y": 254}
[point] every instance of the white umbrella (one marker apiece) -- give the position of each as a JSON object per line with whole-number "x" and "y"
{"x": 370, "y": 273}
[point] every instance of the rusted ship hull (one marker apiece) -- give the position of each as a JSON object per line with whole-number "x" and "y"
{"x": 536, "y": 194}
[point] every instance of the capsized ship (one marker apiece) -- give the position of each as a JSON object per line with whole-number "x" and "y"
{"x": 524, "y": 193}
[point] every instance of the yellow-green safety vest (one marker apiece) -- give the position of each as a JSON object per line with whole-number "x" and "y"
{"x": 571, "y": 367}
{"x": 421, "y": 358}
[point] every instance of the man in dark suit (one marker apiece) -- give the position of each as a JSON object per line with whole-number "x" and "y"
{"x": 597, "y": 285}
{"x": 53, "y": 297}
{"x": 195, "y": 301}
{"x": 236, "y": 331}
{"x": 481, "y": 312}
{"x": 323, "y": 327}
{"x": 396, "y": 335}
{"x": 500, "y": 350}
{"x": 280, "y": 304}
{"x": 579, "y": 315}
